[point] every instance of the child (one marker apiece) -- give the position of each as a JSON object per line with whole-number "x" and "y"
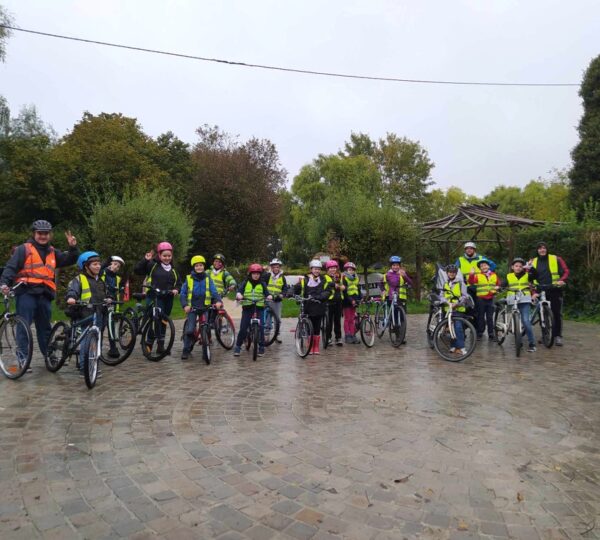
{"x": 197, "y": 292}
{"x": 455, "y": 292}
{"x": 486, "y": 284}
{"x": 277, "y": 286}
{"x": 520, "y": 280}
{"x": 316, "y": 287}
{"x": 396, "y": 280}
{"x": 335, "y": 302}
{"x": 223, "y": 280}
{"x": 252, "y": 289}
{"x": 161, "y": 275}
{"x": 109, "y": 273}
{"x": 86, "y": 287}
{"x": 352, "y": 297}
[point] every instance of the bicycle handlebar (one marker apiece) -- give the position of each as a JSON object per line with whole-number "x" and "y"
{"x": 158, "y": 292}
{"x": 305, "y": 299}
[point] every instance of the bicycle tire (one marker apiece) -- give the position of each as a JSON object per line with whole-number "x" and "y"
{"x": 517, "y": 333}
{"x": 255, "y": 340}
{"x": 382, "y": 319}
{"x": 131, "y": 314}
{"x": 547, "y": 327}
{"x": 195, "y": 333}
{"x": 500, "y": 325}
{"x": 169, "y": 337}
{"x": 367, "y": 332}
{"x": 398, "y": 331}
{"x": 91, "y": 358}
{"x": 324, "y": 329}
{"x": 430, "y": 328}
{"x": 17, "y": 366}
{"x": 205, "y": 336}
{"x": 58, "y": 346}
{"x": 225, "y": 331}
{"x": 535, "y": 315}
{"x": 272, "y": 332}
{"x": 442, "y": 343}
{"x": 125, "y": 341}
{"x": 303, "y": 337}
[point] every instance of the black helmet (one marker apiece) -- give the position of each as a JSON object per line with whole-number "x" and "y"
{"x": 540, "y": 244}
{"x": 41, "y": 225}
{"x": 220, "y": 257}
{"x": 518, "y": 259}
{"x": 451, "y": 268}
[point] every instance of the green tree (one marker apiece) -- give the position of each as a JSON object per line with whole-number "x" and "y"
{"x": 585, "y": 173}
{"x": 5, "y": 19}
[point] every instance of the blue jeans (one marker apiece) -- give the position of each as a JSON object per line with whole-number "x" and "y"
{"x": 459, "y": 342}
{"x": 247, "y": 312}
{"x": 190, "y": 327}
{"x": 85, "y": 342}
{"x": 525, "y": 309}
{"x": 34, "y": 308}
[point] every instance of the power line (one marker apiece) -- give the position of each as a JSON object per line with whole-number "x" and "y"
{"x": 278, "y": 68}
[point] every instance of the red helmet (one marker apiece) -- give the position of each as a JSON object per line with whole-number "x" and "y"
{"x": 349, "y": 265}
{"x": 255, "y": 267}
{"x": 164, "y": 246}
{"x": 331, "y": 264}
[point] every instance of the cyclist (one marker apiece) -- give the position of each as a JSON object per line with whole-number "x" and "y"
{"x": 548, "y": 269}
{"x": 335, "y": 302}
{"x": 486, "y": 283}
{"x": 252, "y": 289}
{"x": 317, "y": 287}
{"x": 34, "y": 264}
{"x": 395, "y": 281}
{"x": 520, "y": 279}
{"x": 86, "y": 287}
{"x": 352, "y": 296}
{"x": 277, "y": 285}
{"x": 455, "y": 292}
{"x": 198, "y": 291}
{"x": 109, "y": 273}
{"x": 223, "y": 279}
{"x": 160, "y": 274}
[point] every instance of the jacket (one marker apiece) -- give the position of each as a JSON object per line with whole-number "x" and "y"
{"x": 198, "y": 292}
{"x": 161, "y": 278}
{"x": 320, "y": 291}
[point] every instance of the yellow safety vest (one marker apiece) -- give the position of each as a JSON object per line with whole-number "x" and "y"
{"x": 466, "y": 265}
{"x": 118, "y": 291}
{"x": 327, "y": 279}
{"x": 190, "y": 290}
{"x": 352, "y": 284}
{"x": 453, "y": 294}
{"x": 86, "y": 293}
{"x": 484, "y": 285}
{"x": 401, "y": 288}
{"x": 254, "y": 294}
{"x": 275, "y": 285}
{"x": 552, "y": 265}
{"x": 521, "y": 284}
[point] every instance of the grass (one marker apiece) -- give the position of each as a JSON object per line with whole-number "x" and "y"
{"x": 291, "y": 309}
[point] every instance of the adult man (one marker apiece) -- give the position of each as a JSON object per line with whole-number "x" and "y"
{"x": 34, "y": 264}
{"x": 547, "y": 269}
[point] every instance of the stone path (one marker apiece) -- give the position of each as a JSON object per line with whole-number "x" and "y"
{"x": 354, "y": 444}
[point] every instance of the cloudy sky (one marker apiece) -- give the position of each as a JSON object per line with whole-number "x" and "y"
{"x": 478, "y": 136}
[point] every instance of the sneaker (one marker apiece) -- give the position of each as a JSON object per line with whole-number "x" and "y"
{"x": 531, "y": 348}
{"x": 355, "y": 340}
{"x": 460, "y": 352}
{"x": 113, "y": 353}
{"x": 148, "y": 346}
{"x": 338, "y": 341}
{"x": 492, "y": 337}
{"x": 558, "y": 341}
{"x": 452, "y": 349}
{"x": 261, "y": 351}
{"x": 160, "y": 348}
{"x": 349, "y": 339}
{"x": 236, "y": 351}
{"x": 277, "y": 340}
{"x": 185, "y": 354}
{"x": 329, "y": 342}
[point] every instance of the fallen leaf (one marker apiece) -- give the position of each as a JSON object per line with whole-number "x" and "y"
{"x": 520, "y": 496}
{"x": 557, "y": 468}
{"x": 462, "y": 525}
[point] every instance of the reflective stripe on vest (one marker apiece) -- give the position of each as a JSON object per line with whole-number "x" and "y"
{"x": 219, "y": 279}
{"x": 254, "y": 294}
{"x": 453, "y": 294}
{"x": 190, "y": 291}
{"x": 402, "y": 295}
{"x": 466, "y": 265}
{"x": 35, "y": 271}
{"x": 486, "y": 285}
{"x": 552, "y": 266}
{"x": 149, "y": 278}
{"x": 325, "y": 277}
{"x": 521, "y": 284}
{"x": 275, "y": 285}
{"x": 117, "y": 292}
{"x": 352, "y": 284}
{"x": 86, "y": 293}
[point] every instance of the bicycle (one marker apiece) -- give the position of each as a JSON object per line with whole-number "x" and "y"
{"x": 506, "y": 323}
{"x": 324, "y": 326}
{"x": 542, "y": 314}
{"x": 445, "y": 334}
{"x": 392, "y": 316}
{"x": 65, "y": 339}
{"x": 118, "y": 336}
{"x": 363, "y": 322}
{"x": 224, "y": 329}
{"x": 151, "y": 322}
{"x": 303, "y": 335}
{"x": 202, "y": 330}
{"x": 15, "y": 354}
{"x": 436, "y": 315}
{"x": 254, "y": 331}
{"x": 271, "y": 325}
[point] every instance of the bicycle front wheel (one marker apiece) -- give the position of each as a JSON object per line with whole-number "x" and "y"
{"x": 91, "y": 356}
{"x": 58, "y": 347}
{"x": 546, "y": 324}
{"x": 431, "y": 324}
{"x": 225, "y": 330}
{"x": 398, "y": 327}
{"x": 324, "y": 328}
{"x": 367, "y": 332}
{"x": 205, "y": 333}
{"x": 381, "y": 319}
{"x": 158, "y": 336}
{"x": 516, "y": 316}
{"x": 271, "y": 328}
{"x": 118, "y": 340}
{"x": 16, "y": 347}
{"x": 444, "y": 344}
{"x": 255, "y": 340}
{"x": 303, "y": 337}
{"x": 500, "y": 325}
{"x": 131, "y": 315}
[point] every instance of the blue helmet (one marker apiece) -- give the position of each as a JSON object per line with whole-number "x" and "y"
{"x": 85, "y": 257}
{"x": 395, "y": 259}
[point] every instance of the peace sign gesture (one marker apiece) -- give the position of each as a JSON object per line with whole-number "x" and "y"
{"x": 149, "y": 255}
{"x": 71, "y": 239}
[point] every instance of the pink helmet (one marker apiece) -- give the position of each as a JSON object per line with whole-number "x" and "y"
{"x": 349, "y": 265}
{"x": 331, "y": 264}
{"x": 164, "y": 246}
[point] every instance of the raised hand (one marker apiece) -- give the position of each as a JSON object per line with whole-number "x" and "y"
{"x": 72, "y": 241}
{"x": 150, "y": 255}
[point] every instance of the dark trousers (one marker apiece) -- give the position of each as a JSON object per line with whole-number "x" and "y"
{"x": 316, "y": 322}
{"x": 247, "y": 312}
{"x": 189, "y": 327}
{"x": 35, "y": 308}
{"x": 556, "y": 299}
{"x": 335, "y": 320}
{"x": 166, "y": 304}
{"x": 485, "y": 316}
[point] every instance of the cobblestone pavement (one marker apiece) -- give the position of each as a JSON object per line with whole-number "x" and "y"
{"x": 354, "y": 444}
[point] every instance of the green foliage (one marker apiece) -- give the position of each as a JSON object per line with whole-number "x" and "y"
{"x": 4, "y": 33}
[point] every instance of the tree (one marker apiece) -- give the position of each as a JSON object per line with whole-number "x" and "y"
{"x": 585, "y": 173}
{"x": 5, "y": 19}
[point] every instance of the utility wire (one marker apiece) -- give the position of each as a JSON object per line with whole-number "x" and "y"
{"x": 278, "y": 68}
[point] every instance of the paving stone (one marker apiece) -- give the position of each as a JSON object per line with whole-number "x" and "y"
{"x": 300, "y": 530}
{"x": 231, "y": 517}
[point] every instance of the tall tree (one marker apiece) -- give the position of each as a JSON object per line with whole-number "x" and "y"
{"x": 585, "y": 173}
{"x": 5, "y": 19}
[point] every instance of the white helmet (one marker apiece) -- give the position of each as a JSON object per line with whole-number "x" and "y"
{"x": 470, "y": 245}
{"x": 315, "y": 263}
{"x": 275, "y": 261}
{"x": 116, "y": 258}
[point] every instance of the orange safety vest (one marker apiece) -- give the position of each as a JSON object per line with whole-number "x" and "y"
{"x": 35, "y": 271}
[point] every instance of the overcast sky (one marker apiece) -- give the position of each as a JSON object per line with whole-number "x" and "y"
{"x": 478, "y": 137}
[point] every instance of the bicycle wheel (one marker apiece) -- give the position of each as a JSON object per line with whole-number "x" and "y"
{"x": 500, "y": 325}
{"x": 442, "y": 340}
{"x": 398, "y": 327}
{"x": 15, "y": 360}
{"x": 367, "y": 331}
{"x": 131, "y": 315}
{"x": 271, "y": 328}
{"x": 324, "y": 328}
{"x": 303, "y": 337}
{"x": 164, "y": 335}
{"x": 58, "y": 346}
{"x": 225, "y": 330}
{"x": 516, "y": 317}
{"x": 431, "y": 324}
{"x": 91, "y": 356}
{"x": 546, "y": 324}
{"x": 205, "y": 334}
{"x": 118, "y": 342}
{"x": 255, "y": 331}
{"x": 381, "y": 318}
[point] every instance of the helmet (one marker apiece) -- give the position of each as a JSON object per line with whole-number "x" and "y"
{"x": 517, "y": 259}
{"x": 41, "y": 225}
{"x": 541, "y": 244}
{"x": 395, "y": 259}
{"x": 331, "y": 264}
{"x": 315, "y": 263}
{"x": 197, "y": 259}
{"x": 164, "y": 246}
{"x": 255, "y": 267}
{"x": 470, "y": 245}
{"x": 116, "y": 258}
{"x": 483, "y": 260}
{"x": 275, "y": 261}
{"x": 349, "y": 265}
{"x": 219, "y": 257}
{"x": 452, "y": 268}
{"x": 87, "y": 257}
